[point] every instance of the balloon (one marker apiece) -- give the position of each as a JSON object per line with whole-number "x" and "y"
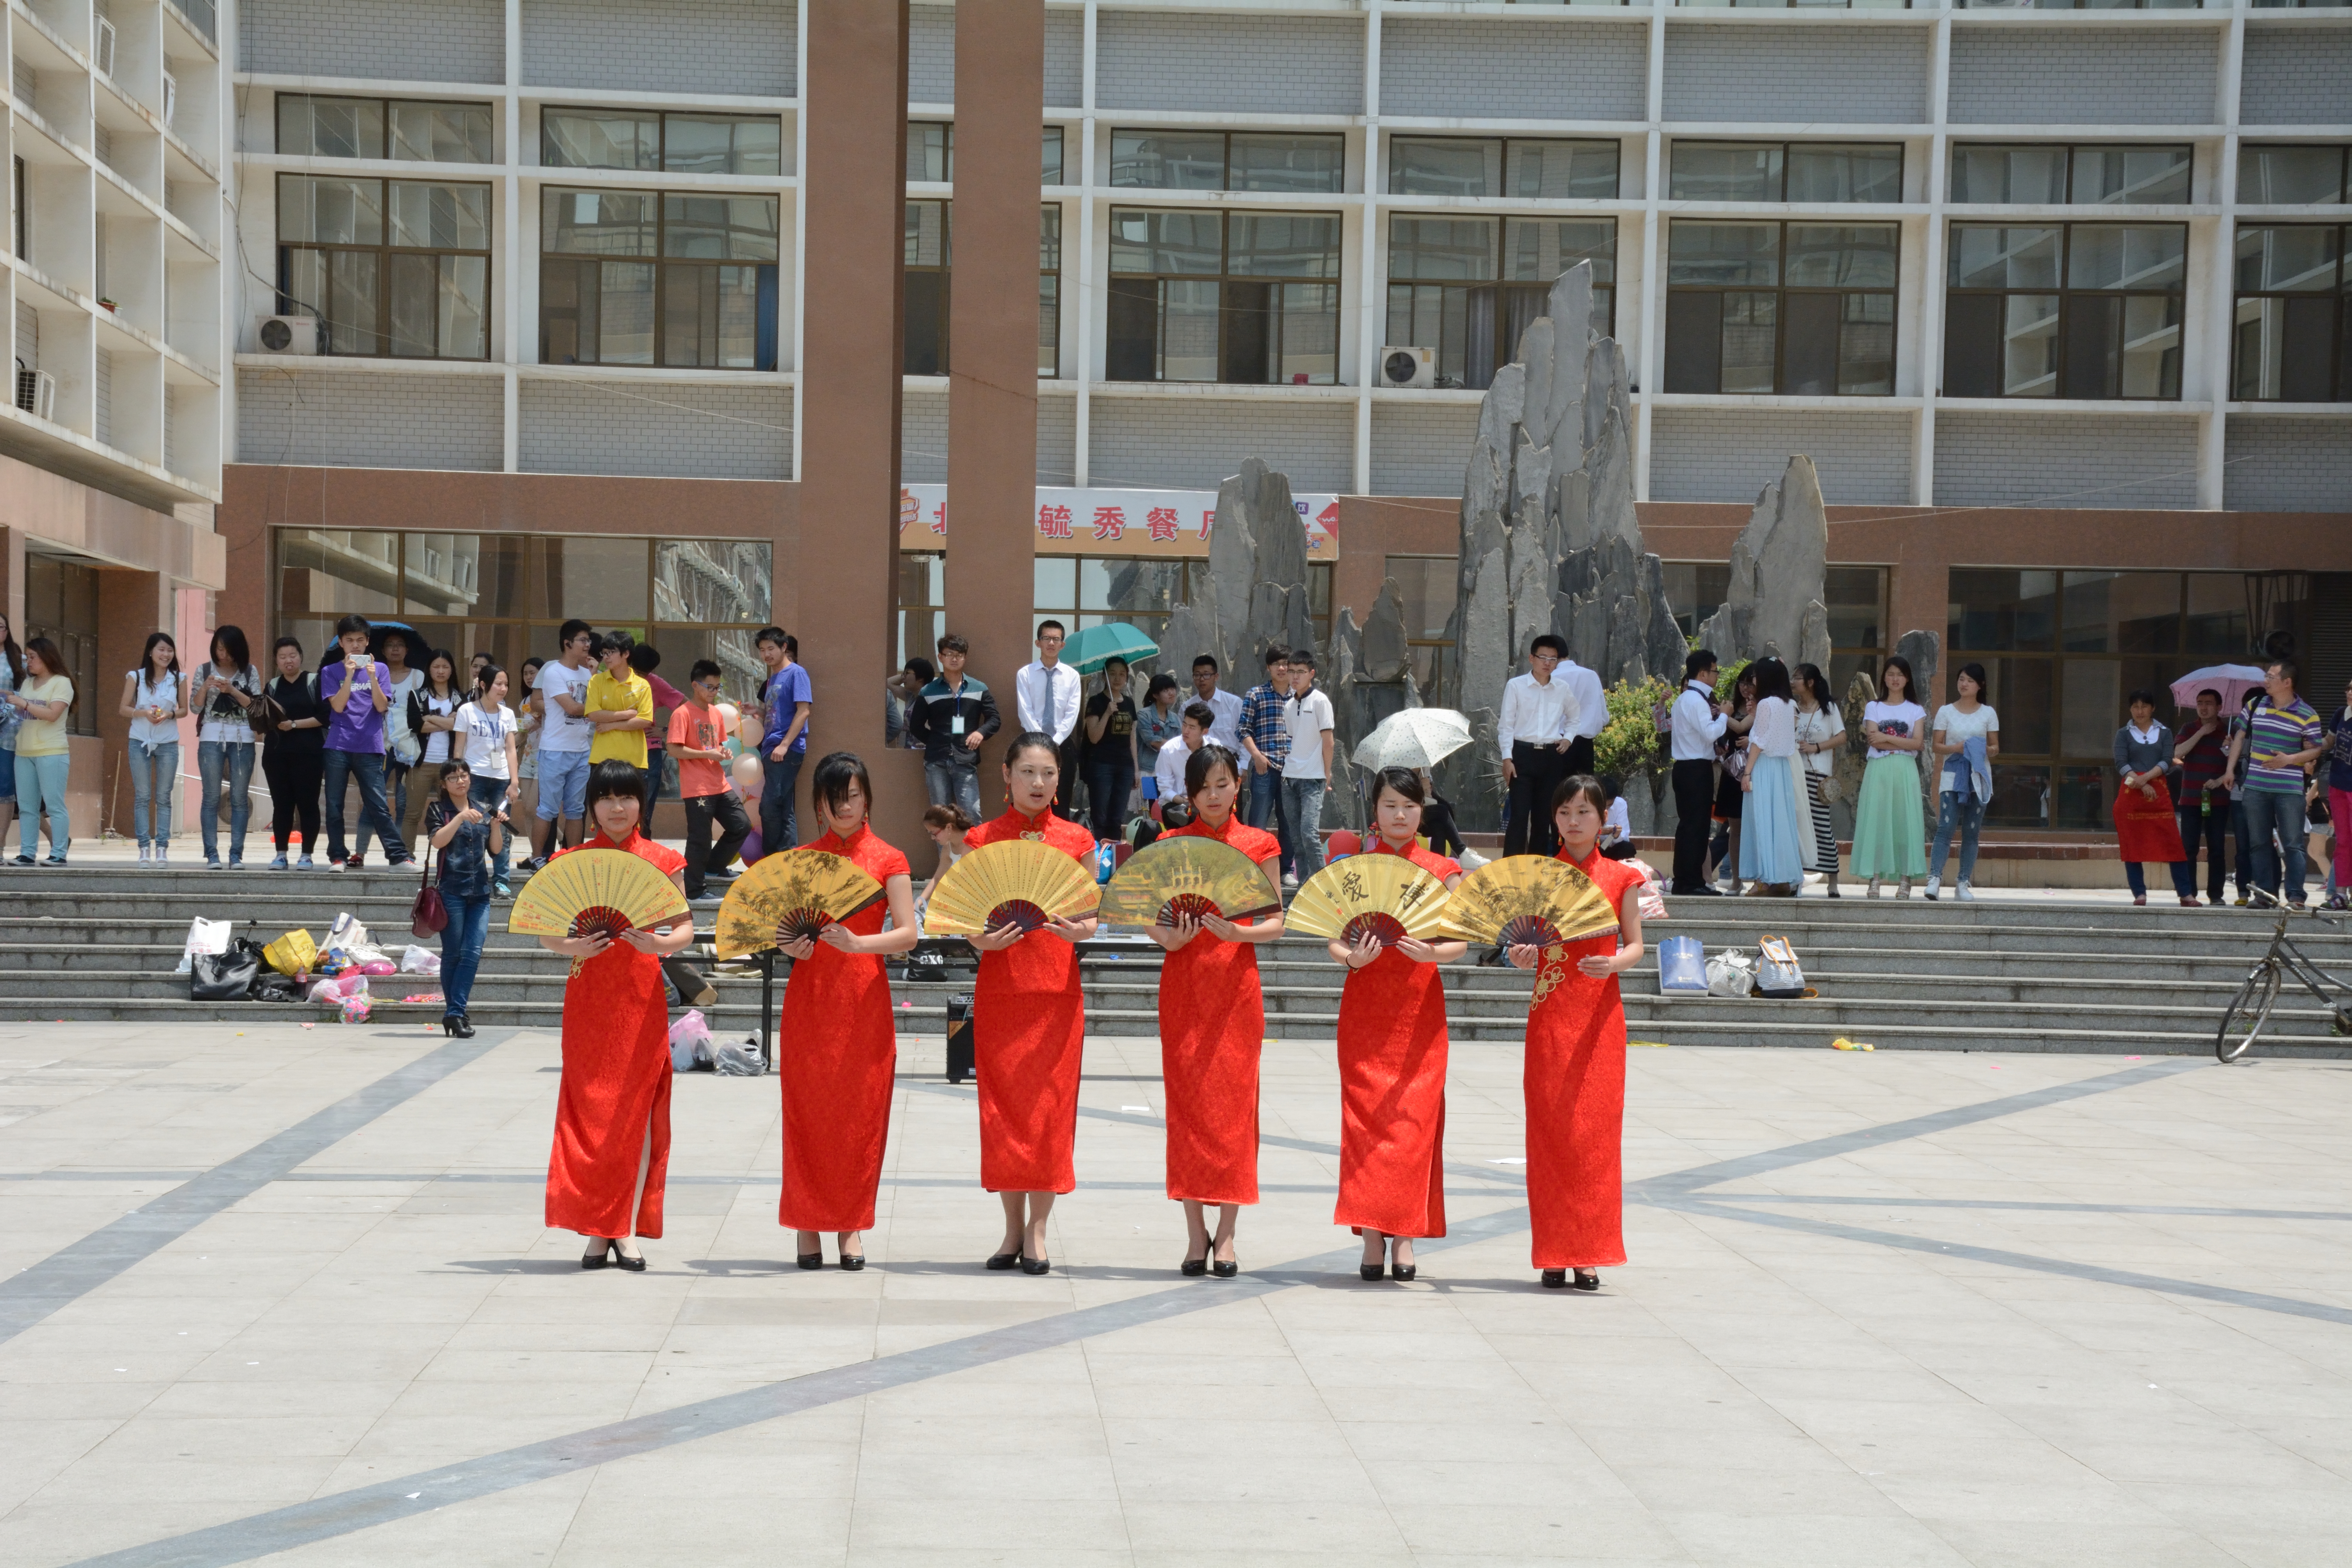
{"x": 752, "y": 849}
{"x": 1341, "y": 844}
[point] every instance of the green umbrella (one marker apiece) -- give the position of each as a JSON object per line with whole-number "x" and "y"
{"x": 1096, "y": 645}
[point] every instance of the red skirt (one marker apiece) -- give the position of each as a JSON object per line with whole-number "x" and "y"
{"x": 1392, "y": 1050}
{"x": 2145, "y": 828}
{"x": 837, "y": 1050}
{"x": 1575, "y": 1080}
{"x": 611, "y": 1109}
{"x": 1211, "y": 1032}
{"x": 1028, "y": 1037}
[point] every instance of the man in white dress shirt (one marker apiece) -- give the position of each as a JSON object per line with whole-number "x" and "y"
{"x": 1045, "y": 698}
{"x": 1697, "y": 723}
{"x": 1176, "y": 755}
{"x": 1545, "y": 733}
{"x": 1226, "y": 705}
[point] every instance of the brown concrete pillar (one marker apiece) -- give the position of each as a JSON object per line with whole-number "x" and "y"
{"x": 131, "y": 604}
{"x": 1000, "y": 96}
{"x": 853, "y": 326}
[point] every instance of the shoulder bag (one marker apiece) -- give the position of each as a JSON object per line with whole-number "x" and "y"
{"x": 428, "y": 914}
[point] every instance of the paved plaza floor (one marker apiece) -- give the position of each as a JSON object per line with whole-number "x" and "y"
{"x": 285, "y": 1295}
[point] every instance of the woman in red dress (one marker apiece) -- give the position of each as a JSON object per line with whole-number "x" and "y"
{"x": 838, "y": 1045}
{"x": 1212, "y": 1027}
{"x": 606, "y": 1171}
{"x": 1029, "y": 1022}
{"x": 1392, "y": 1050}
{"x": 1576, "y": 1060}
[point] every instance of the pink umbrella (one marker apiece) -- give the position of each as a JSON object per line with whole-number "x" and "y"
{"x": 2231, "y": 681}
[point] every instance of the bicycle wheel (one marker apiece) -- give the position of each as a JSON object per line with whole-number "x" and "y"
{"x": 2249, "y": 1011}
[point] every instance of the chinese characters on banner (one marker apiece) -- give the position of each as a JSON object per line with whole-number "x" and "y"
{"x": 1073, "y": 521}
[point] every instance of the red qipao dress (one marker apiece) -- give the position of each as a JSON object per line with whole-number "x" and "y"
{"x": 1392, "y": 1050}
{"x": 1576, "y": 1094}
{"x": 840, "y": 1048}
{"x": 611, "y": 1109}
{"x": 1028, "y": 1034}
{"x": 1211, "y": 1029}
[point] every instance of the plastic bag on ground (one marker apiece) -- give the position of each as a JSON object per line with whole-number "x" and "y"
{"x": 731, "y": 1059}
{"x": 206, "y": 939}
{"x": 1730, "y": 973}
{"x": 689, "y": 1041}
{"x": 420, "y": 960}
{"x": 1654, "y": 892}
{"x": 355, "y": 1008}
{"x": 293, "y": 953}
{"x": 346, "y": 931}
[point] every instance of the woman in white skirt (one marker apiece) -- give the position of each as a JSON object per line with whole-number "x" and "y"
{"x": 1775, "y": 840}
{"x": 1820, "y": 732}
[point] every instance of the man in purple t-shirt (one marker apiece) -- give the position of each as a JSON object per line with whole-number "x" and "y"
{"x": 357, "y": 692}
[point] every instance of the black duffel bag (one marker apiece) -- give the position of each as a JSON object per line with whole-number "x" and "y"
{"x": 225, "y": 977}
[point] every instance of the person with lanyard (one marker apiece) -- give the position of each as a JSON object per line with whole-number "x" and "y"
{"x": 2203, "y": 757}
{"x": 154, "y": 699}
{"x": 837, "y": 1076}
{"x": 1696, "y": 723}
{"x": 484, "y": 732}
{"x": 1544, "y": 731}
{"x": 1029, "y": 1020}
{"x": 2145, "y": 825}
{"x": 465, "y": 837}
{"x": 294, "y": 753}
{"x": 609, "y": 1166}
{"x": 432, "y": 717}
{"x": 228, "y": 689}
{"x": 1227, "y": 730}
{"x": 1575, "y": 1069}
{"x": 1393, "y": 1051}
{"x": 951, "y": 718}
{"x": 1265, "y": 741}
{"x": 1212, "y": 1027}
{"x": 1045, "y": 702}
{"x": 357, "y": 690}
{"x": 1109, "y": 726}
{"x": 788, "y": 700}
{"x": 2283, "y": 736}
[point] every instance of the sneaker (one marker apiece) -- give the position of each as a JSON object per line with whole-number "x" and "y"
{"x": 500, "y": 890}
{"x": 1933, "y": 883}
{"x": 2243, "y": 901}
{"x": 355, "y": 863}
{"x": 212, "y": 863}
{"x": 162, "y": 854}
{"x": 706, "y": 901}
{"x": 52, "y": 860}
{"x": 279, "y": 864}
{"x": 24, "y": 860}
{"x": 331, "y": 865}
{"x": 146, "y": 855}
{"x": 1964, "y": 893}
{"x": 405, "y": 860}
{"x": 237, "y": 862}
{"x": 305, "y": 863}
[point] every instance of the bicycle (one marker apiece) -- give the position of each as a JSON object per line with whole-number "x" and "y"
{"x": 2250, "y": 1010}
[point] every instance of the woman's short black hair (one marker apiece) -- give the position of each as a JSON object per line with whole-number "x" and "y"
{"x": 1974, "y": 672}
{"x": 2139, "y": 696}
{"x": 835, "y": 771}
{"x": 1028, "y": 738}
{"x": 1198, "y": 765}
{"x": 1164, "y": 681}
{"x": 455, "y": 766}
{"x": 1406, "y": 782}
{"x": 1584, "y": 785}
{"x": 294, "y": 643}
{"x": 613, "y": 777}
{"x": 1772, "y": 679}
{"x": 230, "y": 640}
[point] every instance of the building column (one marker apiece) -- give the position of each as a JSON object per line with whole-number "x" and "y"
{"x": 130, "y": 606}
{"x": 1000, "y": 98}
{"x": 854, "y": 184}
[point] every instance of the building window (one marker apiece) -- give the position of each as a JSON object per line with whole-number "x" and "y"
{"x": 1049, "y": 291}
{"x": 930, "y": 151}
{"x": 650, "y": 139}
{"x": 1467, "y": 287}
{"x": 1802, "y": 172}
{"x": 636, "y": 278}
{"x": 1520, "y": 168}
{"x": 1796, "y": 308}
{"x": 2292, "y": 177}
{"x": 1249, "y": 297}
{"x": 2064, "y": 310}
{"x": 928, "y": 263}
{"x": 2294, "y": 322}
{"x": 1227, "y": 161}
{"x": 1428, "y": 583}
{"x": 61, "y": 604}
{"x": 398, "y": 268}
{"x": 2061, "y": 650}
{"x": 2048, "y": 176}
{"x": 407, "y": 129}
{"x": 1050, "y": 156}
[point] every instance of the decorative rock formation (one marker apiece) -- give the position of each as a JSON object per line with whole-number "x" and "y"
{"x": 1779, "y": 567}
{"x": 1368, "y": 676}
{"x": 1257, "y": 594}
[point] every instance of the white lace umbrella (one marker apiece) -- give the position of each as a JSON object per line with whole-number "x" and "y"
{"x": 1414, "y": 738}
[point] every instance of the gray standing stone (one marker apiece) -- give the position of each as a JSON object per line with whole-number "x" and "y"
{"x": 1779, "y": 566}
{"x": 1923, "y": 650}
{"x": 1256, "y": 594}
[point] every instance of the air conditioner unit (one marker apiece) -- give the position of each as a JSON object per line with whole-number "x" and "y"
{"x": 1408, "y": 366}
{"x": 171, "y": 96}
{"x": 289, "y": 334}
{"x": 36, "y": 392}
{"x": 105, "y": 47}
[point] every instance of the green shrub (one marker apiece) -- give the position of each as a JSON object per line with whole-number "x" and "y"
{"x": 1628, "y": 744}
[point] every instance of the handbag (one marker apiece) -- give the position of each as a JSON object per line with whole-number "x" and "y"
{"x": 1778, "y": 974}
{"x": 1682, "y": 965}
{"x": 225, "y": 976}
{"x": 428, "y": 914}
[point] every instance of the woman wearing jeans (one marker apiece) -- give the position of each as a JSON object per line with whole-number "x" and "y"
{"x": 41, "y": 704}
{"x": 12, "y": 676}
{"x": 227, "y": 686}
{"x": 466, "y": 839}
{"x": 1966, "y": 783}
{"x": 154, "y": 699}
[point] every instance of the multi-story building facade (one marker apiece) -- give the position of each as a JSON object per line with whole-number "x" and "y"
{"x": 2077, "y": 274}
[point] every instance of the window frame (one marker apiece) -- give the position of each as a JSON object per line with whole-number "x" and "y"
{"x": 1395, "y": 170}
{"x": 1339, "y": 140}
{"x": 1785, "y": 144}
{"x": 278, "y": 126}
{"x": 1336, "y": 283}
{"x": 661, "y": 117}
{"x": 2338, "y": 296}
{"x": 1049, "y": 316}
{"x": 1500, "y": 239}
{"x": 1780, "y": 291}
{"x": 385, "y": 251}
{"x": 2067, "y": 294}
{"x": 663, "y": 265}
{"x": 2067, "y": 198}
{"x": 2342, "y": 150}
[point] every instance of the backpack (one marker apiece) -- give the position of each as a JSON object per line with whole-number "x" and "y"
{"x": 1776, "y": 973}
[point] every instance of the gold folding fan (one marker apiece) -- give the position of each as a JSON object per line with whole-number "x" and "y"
{"x": 1385, "y": 896}
{"x": 1023, "y": 880}
{"x": 1187, "y": 876}
{"x": 800, "y": 891}
{"x": 587, "y": 890}
{"x": 1528, "y": 899}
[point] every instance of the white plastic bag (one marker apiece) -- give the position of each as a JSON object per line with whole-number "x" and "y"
{"x": 206, "y": 939}
{"x": 730, "y": 1059}
{"x": 1654, "y": 892}
{"x": 1730, "y": 973}
{"x": 345, "y": 932}
{"x": 420, "y": 960}
{"x": 689, "y": 1041}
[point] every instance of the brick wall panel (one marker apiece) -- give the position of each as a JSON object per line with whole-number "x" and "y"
{"x": 1842, "y": 75}
{"x": 1229, "y": 62}
{"x": 748, "y": 46}
{"x": 1066, "y": 49}
{"x": 329, "y": 419}
{"x": 1422, "y": 448}
{"x": 1057, "y": 440}
{"x": 1188, "y": 442}
{"x": 2295, "y": 76}
{"x": 1453, "y": 65}
{"x": 930, "y": 54}
{"x": 1730, "y": 454}
{"x": 656, "y": 429}
{"x": 923, "y": 437}
{"x": 440, "y": 40}
{"x": 2064, "y": 460}
{"x": 2287, "y": 465}
{"x": 2082, "y": 76}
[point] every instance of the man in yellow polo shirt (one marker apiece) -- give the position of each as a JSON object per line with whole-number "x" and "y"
{"x": 619, "y": 707}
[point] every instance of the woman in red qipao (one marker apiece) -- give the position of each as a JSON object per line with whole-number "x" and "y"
{"x": 605, "y": 1174}
{"x": 841, "y": 1043}
{"x": 1576, "y": 1061}
{"x": 1029, "y": 1022}
{"x": 1392, "y": 1050}
{"x": 1212, "y": 1027}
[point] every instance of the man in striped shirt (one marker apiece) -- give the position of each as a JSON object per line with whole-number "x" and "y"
{"x": 2283, "y": 735}
{"x": 1266, "y": 740}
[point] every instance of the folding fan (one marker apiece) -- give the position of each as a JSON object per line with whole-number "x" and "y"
{"x": 799, "y": 892}
{"x": 1384, "y": 896}
{"x": 587, "y": 890}
{"x": 1527, "y": 899}
{"x": 1022, "y": 880}
{"x": 1187, "y": 876}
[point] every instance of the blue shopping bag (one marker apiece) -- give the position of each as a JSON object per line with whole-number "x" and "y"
{"x": 1682, "y": 965}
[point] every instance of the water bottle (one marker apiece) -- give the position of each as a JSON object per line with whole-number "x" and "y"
{"x": 2205, "y": 803}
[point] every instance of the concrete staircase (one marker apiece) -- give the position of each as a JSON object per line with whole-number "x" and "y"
{"x": 100, "y": 943}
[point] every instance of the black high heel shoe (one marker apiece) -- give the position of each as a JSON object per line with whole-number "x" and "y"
{"x": 622, "y": 1260}
{"x": 1374, "y": 1271}
{"x": 455, "y": 1026}
{"x": 1003, "y": 1260}
{"x": 1587, "y": 1280}
{"x": 598, "y": 1258}
{"x": 810, "y": 1259}
{"x": 1036, "y": 1265}
{"x": 1555, "y": 1279}
{"x": 1403, "y": 1272}
{"x": 851, "y": 1262}
{"x": 1222, "y": 1270}
{"x": 1194, "y": 1268}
